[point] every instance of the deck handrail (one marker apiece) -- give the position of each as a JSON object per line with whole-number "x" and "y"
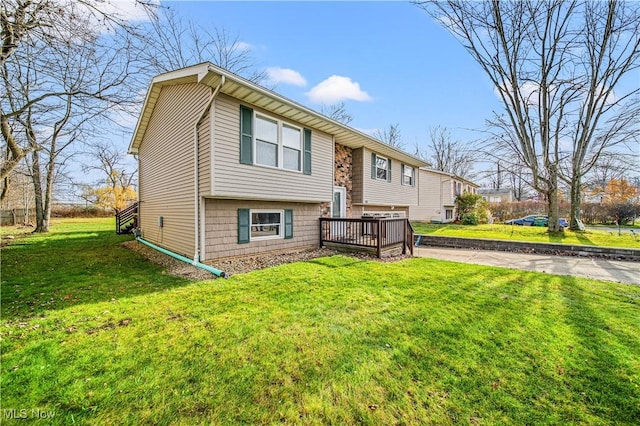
{"x": 372, "y": 233}
{"x": 126, "y": 217}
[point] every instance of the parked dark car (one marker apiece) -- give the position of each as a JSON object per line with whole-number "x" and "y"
{"x": 524, "y": 221}
{"x": 536, "y": 220}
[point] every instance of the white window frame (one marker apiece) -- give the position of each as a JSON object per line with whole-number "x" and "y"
{"x": 413, "y": 175}
{"x": 280, "y": 150}
{"x": 386, "y": 169}
{"x": 267, "y": 237}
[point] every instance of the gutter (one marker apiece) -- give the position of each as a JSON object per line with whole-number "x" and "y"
{"x": 207, "y": 268}
{"x": 196, "y": 165}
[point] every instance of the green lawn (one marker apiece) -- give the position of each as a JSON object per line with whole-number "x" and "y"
{"x": 531, "y": 233}
{"x": 97, "y": 335}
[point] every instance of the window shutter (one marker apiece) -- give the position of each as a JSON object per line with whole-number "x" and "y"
{"x": 244, "y": 226}
{"x": 373, "y": 165}
{"x": 389, "y": 171}
{"x": 414, "y": 176}
{"x": 402, "y": 174}
{"x": 246, "y": 135}
{"x": 288, "y": 224}
{"x": 306, "y": 168}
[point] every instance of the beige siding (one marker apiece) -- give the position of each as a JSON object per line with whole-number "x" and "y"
{"x": 221, "y": 222}
{"x": 358, "y": 174}
{"x": 166, "y": 168}
{"x": 436, "y": 191}
{"x": 383, "y": 192}
{"x": 235, "y": 180}
{"x": 204, "y": 154}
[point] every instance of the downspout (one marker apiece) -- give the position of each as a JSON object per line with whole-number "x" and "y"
{"x": 207, "y": 268}
{"x": 196, "y": 165}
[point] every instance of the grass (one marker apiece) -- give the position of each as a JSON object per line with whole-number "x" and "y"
{"x": 531, "y": 233}
{"x": 330, "y": 341}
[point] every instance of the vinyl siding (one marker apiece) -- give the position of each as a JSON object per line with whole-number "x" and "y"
{"x": 166, "y": 172}
{"x": 221, "y": 224}
{"x": 435, "y": 192}
{"x": 358, "y": 175}
{"x": 204, "y": 155}
{"x": 235, "y": 180}
{"x": 382, "y": 192}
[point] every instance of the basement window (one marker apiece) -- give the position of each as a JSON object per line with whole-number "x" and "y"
{"x": 266, "y": 224}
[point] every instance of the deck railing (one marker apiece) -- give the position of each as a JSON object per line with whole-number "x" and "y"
{"x": 126, "y": 219}
{"x": 372, "y": 233}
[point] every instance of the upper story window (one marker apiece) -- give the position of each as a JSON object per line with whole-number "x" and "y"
{"x": 408, "y": 175}
{"x": 277, "y": 144}
{"x": 382, "y": 168}
{"x": 267, "y": 141}
{"x": 291, "y": 138}
{"x": 458, "y": 188}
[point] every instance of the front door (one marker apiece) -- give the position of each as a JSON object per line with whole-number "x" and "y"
{"x": 339, "y": 205}
{"x": 338, "y": 210}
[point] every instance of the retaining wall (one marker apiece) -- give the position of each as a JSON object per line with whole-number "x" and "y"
{"x": 530, "y": 247}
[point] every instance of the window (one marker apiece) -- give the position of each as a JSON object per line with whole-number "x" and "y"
{"x": 266, "y": 224}
{"x": 408, "y": 175}
{"x": 266, "y": 142}
{"x": 291, "y": 147}
{"x": 448, "y": 214}
{"x": 382, "y": 168}
{"x": 458, "y": 188}
{"x": 256, "y": 225}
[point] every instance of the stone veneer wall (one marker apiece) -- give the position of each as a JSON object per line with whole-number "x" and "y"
{"x": 343, "y": 176}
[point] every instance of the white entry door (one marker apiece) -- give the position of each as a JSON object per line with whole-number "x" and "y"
{"x": 338, "y": 210}
{"x": 339, "y": 205}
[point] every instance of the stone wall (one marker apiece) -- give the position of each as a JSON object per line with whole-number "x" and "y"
{"x": 343, "y": 175}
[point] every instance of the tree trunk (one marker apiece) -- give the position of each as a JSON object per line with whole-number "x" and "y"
{"x": 552, "y": 199}
{"x": 574, "y": 217}
{"x": 42, "y": 223}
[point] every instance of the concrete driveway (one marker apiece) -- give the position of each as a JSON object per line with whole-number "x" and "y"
{"x": 598, "y": 269}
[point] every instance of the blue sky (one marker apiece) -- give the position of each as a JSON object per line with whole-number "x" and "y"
{"x": 409, "y": 70}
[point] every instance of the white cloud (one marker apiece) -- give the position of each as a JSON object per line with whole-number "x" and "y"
{"x": 126, "y": 10}
{"x": 335, "y": 89}
{"x": 285, "y": 75}
{"x": 241, "y": 45}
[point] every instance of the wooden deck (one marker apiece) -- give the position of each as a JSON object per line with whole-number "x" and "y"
{"x": 377, "y": 234}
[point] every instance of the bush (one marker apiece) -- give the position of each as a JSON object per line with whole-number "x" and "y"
{"x": 469, "y": 219}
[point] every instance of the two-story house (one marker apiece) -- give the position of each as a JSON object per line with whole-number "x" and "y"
{"x": 437, "y": 195}
{"x": 228, "y": 168}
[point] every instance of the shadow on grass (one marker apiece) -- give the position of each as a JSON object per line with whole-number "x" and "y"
{"x": 583, "y": 239}
{"x": 71, "y": 268}
{"x": 604, "y": 380}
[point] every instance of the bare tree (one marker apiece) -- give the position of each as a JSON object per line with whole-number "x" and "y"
{"x": 448, "y": 155}
{"x": 57, "y": 92}
{"x": 35, "y": 22}
{"x": 173, "y": 43}
{"x": 115, "y": 188}
{"x": 337, "y": 112}
{"x": 390, "y": 135}
{"x": 554, "y": 66}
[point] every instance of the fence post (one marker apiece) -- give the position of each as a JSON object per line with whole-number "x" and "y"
{"x": 404, "y": 237}
{"x": 321, "y": 245}
{"x": 379, "y": 234}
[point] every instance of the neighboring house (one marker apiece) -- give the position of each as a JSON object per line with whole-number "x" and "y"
{"x": 229, "y": 168}
{"x": 490, "y": 195}
{"x": 437, "y": 196}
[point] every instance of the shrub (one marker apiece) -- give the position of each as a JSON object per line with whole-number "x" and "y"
{"x": 469, "y": 219}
